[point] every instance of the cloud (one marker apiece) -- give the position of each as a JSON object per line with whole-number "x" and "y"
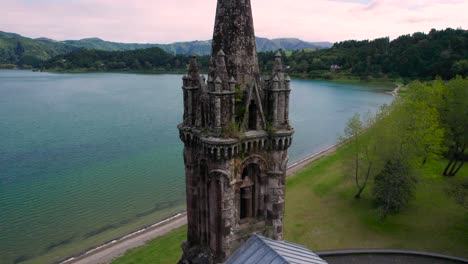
{"x": 420, "y": 20}
{"x": 180, "y": 20}
{"x": 373, "y": 5}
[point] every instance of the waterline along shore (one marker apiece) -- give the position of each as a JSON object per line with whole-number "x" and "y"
{"x": 117, "y": 247}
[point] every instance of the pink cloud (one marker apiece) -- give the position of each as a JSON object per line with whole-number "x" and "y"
{"x": 181, "y": 20}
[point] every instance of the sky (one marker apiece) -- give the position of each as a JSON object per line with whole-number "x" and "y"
{"x": 167, "y": 21}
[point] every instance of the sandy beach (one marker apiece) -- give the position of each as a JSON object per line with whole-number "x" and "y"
{"x": 107, "y": 252}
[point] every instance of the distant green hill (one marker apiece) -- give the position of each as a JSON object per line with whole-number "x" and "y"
{"x": 196, "y": 47}
{"x": 99, "y": 44}
{"x": 19, "y": 50}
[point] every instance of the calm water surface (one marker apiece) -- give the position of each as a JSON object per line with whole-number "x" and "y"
{"x": 85, "y": 158}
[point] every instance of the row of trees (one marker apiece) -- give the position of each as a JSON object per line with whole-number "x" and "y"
{"x": 132, "y": 60}
{"x": 430, "y": 121}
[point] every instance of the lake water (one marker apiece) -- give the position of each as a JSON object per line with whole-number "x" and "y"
{"x": 85, "y": 158}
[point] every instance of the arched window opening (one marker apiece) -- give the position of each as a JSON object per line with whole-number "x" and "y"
{"x": 252, "y": 115}
{"x": 248, "y": 191}
{"x": 203, "y": 116}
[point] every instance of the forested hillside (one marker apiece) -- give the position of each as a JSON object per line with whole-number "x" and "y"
{"x": 416, "y": 56}
{"x": 441, "y": 53}
{"x": 18, "y": 50}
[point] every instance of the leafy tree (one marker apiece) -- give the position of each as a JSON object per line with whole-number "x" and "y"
{"x": 425, "y": 100}
{"x": 409, "y": 133}
{"x": 460, "y": 68}
{"x": 363, "y": 149}
{"x": 393, "y": 187}
{"x": 455, "y": 120}
{"x": 409, "y": 130}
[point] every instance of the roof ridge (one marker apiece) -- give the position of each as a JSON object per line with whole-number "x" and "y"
{"x": 288, "y": 243}
{"x": 263, "y": 241}
{"x": 288, "y": 249}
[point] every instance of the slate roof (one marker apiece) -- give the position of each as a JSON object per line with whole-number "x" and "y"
{"x": 259, "y": 249}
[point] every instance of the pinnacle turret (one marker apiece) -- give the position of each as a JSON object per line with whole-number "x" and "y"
{"x": 221, "y": 69}
{"x": 278, "y": 67}
{"x": 194, "y": 70}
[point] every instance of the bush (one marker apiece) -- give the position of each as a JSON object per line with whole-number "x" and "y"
{"x": 232, "y": 130}
{"x": 393, "y": 187}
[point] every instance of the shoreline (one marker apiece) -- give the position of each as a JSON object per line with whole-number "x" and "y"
{"x": 117, "y": 247}
{"x": 386, "y": 82}
{"x": 395, "y": 91}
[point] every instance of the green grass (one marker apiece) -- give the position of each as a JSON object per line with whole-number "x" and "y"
{"x": 322, "y": 214}
{"x": 165, "y": 249}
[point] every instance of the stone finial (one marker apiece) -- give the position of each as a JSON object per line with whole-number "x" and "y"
{"x": 221, "y": 70}
{"x": 278, "y": 65}
{"x": 276, "y": 82}
{"x": 232, "y": 84}
{"x": 194, "y": 69}
{"x": 218, "y": 84}
{"x": 287, "y": 82}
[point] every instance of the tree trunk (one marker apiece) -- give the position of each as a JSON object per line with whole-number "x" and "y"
{"x": 452, "y": 169}
{"x": 459, "y": 167}
{"x": 356, "y": 175}
{"x": 358, "y": 194}
{"x": 361, "y": 189}
{"x": 445, "y": 173}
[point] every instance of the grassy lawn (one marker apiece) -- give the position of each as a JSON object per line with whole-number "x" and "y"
{"x": 322, "y": 214}
{"x": 165, "y": 249}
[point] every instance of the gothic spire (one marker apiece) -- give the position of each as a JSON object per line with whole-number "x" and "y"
{"x": 234, "y": 34}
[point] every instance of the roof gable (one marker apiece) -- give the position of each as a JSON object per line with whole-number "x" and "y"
{"x": 259, "y": 249}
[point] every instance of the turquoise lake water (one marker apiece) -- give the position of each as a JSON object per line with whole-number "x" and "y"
{"x": 85, "y": 158}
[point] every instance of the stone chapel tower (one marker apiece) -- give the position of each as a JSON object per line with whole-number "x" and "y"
{"x": 236, "y": 135}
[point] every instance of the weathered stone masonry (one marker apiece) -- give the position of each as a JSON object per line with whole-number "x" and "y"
{"x": 236, "y": 134}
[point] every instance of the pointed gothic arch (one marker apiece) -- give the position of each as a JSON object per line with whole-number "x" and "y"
{"x": 251, "y": 192}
